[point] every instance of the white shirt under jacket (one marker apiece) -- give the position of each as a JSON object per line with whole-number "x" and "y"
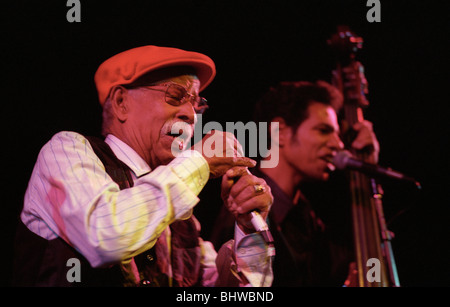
{"x": 71, "y": 196}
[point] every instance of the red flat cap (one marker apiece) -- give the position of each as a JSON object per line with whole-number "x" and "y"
{"x": 125, "y": 67}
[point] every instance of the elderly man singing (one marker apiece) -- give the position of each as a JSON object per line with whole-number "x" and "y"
{"x": 121, "y": 206}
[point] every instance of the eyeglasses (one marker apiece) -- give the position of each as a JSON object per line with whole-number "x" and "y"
{"x": 176, "y": 95}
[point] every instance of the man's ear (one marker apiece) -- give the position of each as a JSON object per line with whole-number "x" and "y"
{"x": 119, "y": 102}
{"x": 284, "y": 131}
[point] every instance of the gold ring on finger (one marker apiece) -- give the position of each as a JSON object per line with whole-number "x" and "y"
{"x": 259, "y": 188}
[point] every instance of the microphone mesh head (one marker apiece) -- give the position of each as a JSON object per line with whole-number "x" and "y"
{"x": 341, "y": 158}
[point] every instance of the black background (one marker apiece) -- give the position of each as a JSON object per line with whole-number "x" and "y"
{"x": 49, "y": 63}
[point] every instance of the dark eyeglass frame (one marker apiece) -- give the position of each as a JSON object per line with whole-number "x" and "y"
{"x": 200, "y": 104}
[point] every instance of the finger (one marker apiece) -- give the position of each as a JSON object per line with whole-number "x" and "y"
{"x": 243, "y": 161}
{"x": 363, "y": 124}
{"x": 245, "y": 195}
{"x": 233, "y": 145}
{"x": 238, "y": 147}
{"x": 362, "y": 142}
{"x": 246, "y": 188}
{"x": 357, "y": 126}
{"x": 233, "y": 148}
{"x": 230, "y": 178}
{"x": 231, "y": 206}
{"x": 227, "y": 183}
{"x": 218, "y": 166}
{"x": 237, "y": 171}
{"x": 260, "y": 202}
{"x": 365, "y": 135}
{"x": 364, "y": 139}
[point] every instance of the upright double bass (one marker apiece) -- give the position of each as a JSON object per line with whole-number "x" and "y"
{"x": 375, "y": 264}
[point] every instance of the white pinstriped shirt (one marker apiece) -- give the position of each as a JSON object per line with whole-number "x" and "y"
{"x": 71, "y": 196}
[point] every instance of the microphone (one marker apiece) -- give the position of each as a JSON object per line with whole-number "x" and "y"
{"x": 344, "y": 160}
{"x": 261, "y": 226}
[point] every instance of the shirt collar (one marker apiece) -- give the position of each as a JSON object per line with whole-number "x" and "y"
{"x": 128, "y": 156}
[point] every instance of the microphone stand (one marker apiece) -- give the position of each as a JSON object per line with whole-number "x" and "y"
{"x": 386, "y": 235}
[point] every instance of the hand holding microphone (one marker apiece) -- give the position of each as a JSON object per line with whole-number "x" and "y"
{"x": 249, "y": 199}
{"x": 246, "y": 196}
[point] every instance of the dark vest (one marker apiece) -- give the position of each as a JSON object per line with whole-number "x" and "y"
{"x": 41, "y": 262}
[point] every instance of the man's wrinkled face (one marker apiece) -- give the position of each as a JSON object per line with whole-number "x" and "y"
{"x": 314, "y": 142}
{"x": 156, "y": 125}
